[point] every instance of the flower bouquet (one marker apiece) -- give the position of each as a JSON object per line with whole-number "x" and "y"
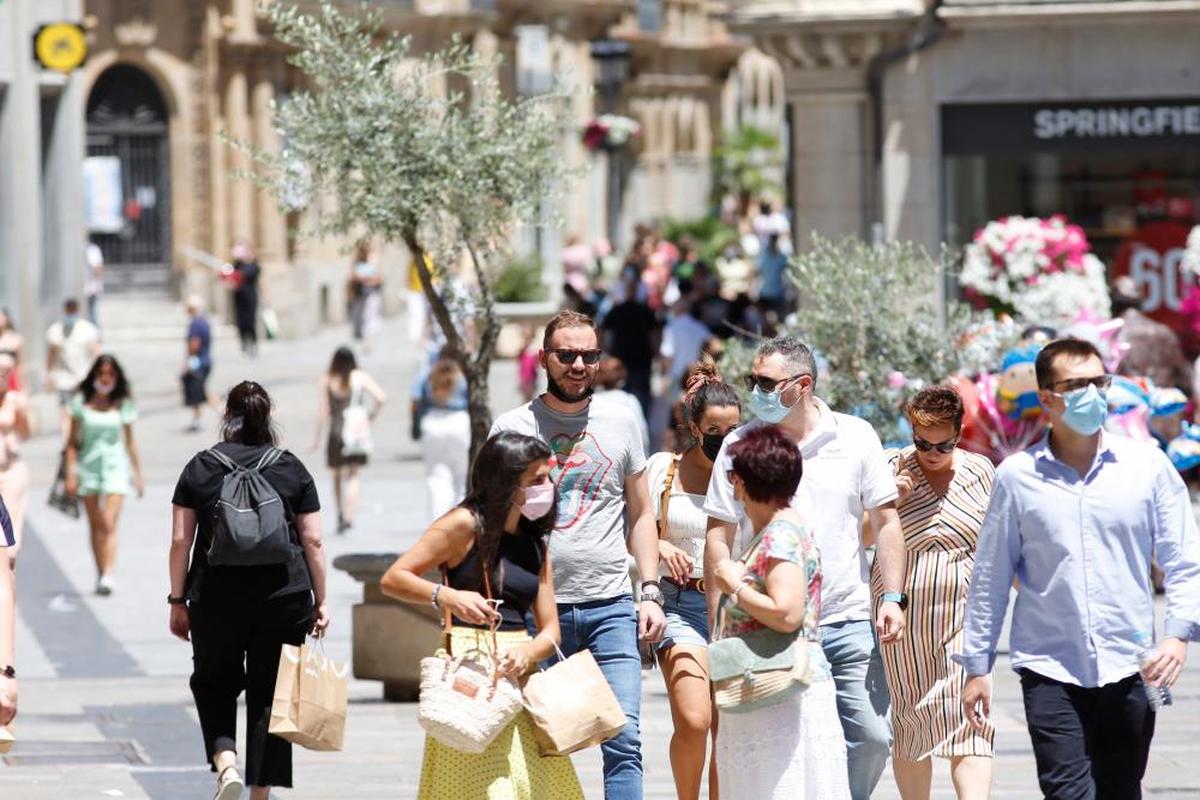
{"x": 609, "y": 132}
{"x": 1040, "y": 270}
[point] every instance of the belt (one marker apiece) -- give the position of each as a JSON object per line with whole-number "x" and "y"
{"x": 696, "y": 584}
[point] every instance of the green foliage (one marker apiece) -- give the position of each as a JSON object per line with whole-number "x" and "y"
{"x": 710, "y": 235}
{"x": 520, "y": 281}
{"x": 749, "y": 162}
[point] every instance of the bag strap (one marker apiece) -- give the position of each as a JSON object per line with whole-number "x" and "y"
{"x": 225, "y": 460}
{"x": 446, "y": 619}
{"x": 268, "y": 458}
{"x": 724, "y": 602}
{"x": 664, "y": 500}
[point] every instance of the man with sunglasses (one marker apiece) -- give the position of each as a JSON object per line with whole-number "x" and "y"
{"x": 845, "y": 476}
{"x": 597, "y": 466}
{"x": 1075, "y": 519}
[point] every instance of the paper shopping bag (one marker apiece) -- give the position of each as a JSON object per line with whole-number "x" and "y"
{"x": 309, "y": 707}
{"x": 6, "y": 740}
{"x": 572, "y": 706}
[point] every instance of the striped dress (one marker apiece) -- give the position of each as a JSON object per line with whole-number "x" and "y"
{"x": 940, "y": 534}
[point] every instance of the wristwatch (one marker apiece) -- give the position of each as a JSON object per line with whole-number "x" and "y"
{"x": 8, "y": 671}
{"x": 176, "y": 601}
{"x": 899, "y": 598}
{"x": 651, "y": 592}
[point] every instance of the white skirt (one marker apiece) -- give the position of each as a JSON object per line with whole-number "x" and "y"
{"x": 792, "y": 750}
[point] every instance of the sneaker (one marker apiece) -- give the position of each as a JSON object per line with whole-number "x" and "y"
{"x": 229, "y": 785}
{"x": 343, "y": 524}
{"x": 192, "y": 428}
{"x": 104, "y": 586}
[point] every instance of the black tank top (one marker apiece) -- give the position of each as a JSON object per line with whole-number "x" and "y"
{"x": 514, "y": 578}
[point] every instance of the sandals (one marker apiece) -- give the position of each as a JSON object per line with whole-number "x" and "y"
{"x": 229, "y": 784}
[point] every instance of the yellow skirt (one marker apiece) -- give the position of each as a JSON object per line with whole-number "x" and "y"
{"x": 511, "y": 768}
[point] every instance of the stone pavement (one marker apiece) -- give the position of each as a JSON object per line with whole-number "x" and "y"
{"x": 105, "y": 705}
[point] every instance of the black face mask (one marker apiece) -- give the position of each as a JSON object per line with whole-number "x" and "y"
{"x": 553, "y": 387}
{"x": 710, "y": 443}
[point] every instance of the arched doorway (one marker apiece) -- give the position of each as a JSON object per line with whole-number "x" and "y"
{"x": 127, "y": 180}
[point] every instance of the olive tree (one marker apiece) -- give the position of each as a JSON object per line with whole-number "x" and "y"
{"x": 422, "y": 150}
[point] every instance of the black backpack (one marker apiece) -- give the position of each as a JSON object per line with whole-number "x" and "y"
{"x": 250, "y": 523}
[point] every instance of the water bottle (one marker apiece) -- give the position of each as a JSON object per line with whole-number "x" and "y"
{"x": 1158, "y": 696}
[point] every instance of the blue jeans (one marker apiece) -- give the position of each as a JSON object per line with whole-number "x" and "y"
{"x": 609, "y": 629}
{"x": 862, "y": 701}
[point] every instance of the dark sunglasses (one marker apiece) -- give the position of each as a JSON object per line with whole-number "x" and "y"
{"x": 567, "y": 357}
{"x": 1101, "y": 382}
{"x": 942, "y": 447}
{"x": 768, "y": 385}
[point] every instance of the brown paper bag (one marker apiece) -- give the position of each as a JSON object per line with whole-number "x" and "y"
{"x": 572, "y": 706}
{"x": 6, "y": 740}
{"x": 309, "y": 707}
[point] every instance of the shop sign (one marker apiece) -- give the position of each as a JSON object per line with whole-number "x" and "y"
{"x": 60, "y": 46}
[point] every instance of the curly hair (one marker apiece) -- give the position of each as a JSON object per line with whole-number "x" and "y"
{"x": 936, "y": 405}
{"x": 769, "y": 464}
{"x": 703, "y": 388}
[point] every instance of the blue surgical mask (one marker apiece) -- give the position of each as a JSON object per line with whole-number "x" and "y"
{"x": 768, "y": 406}
{"x": 1086, "y": 410}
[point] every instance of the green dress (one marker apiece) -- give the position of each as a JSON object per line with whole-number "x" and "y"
{"x": 103, "y": 465}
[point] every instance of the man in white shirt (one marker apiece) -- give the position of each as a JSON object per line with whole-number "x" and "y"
{"x": 72, "y": 344}
{"x": 845, "y": 475}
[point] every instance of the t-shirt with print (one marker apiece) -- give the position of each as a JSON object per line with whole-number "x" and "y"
{"x": 199, "y": 488}
{"x": 845, "y": 474}
{"x": 594, "y": 451}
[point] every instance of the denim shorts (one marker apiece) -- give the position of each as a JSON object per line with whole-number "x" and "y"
{"x": 687, "y": 616}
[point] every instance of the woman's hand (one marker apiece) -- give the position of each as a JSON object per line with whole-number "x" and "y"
{"x": 679, "y": 563}
{"x": 516, "y": 661}
{"x": 904, "y": 483}
{"x": 139, "y": 484}
{"x": 471, "y": 607}
{"x": 320, "y": 620}
{"x": 180, "y": 623}
{"x": 71, "y": 484}
{"x": 729, "y": 575}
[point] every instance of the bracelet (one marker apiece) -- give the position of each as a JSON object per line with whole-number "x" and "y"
{"x": 433, "y": 600}
{"x": 176, "y": 601}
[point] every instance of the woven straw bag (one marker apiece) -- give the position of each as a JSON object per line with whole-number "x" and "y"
{"x": 463, "y": 701}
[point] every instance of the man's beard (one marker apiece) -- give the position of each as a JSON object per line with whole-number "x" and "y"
{"x": 553, "y": 387}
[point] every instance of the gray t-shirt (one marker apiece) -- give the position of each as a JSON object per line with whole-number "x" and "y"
{"x": 594, "y": 452}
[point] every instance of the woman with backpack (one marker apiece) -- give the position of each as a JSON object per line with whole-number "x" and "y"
{"x": 240, "y": 600}
{"x": 350, "y": 399}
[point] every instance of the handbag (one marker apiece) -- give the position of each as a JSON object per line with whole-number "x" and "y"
{"x": 356, "y": 426}
{"x": 757, "y": 668}
{"x": 59, "y": 499}
{"x": 309, "y": 705}
{"x": 463, "y": 701}
{"x": 572, "y": 705}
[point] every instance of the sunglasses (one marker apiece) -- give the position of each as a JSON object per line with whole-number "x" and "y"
{"x": 942, "y": 447}
{"x": 1101, "y": 382}
{"x": 768, "y": 385}
{"x": 567, "y": 357}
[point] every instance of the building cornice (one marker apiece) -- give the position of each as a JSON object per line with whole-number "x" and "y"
{"x": 990, "y": 14}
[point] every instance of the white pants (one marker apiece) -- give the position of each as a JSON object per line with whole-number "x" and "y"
{"x": 445, "y": 440}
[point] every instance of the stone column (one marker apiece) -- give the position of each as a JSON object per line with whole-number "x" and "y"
{"x": 241, "y": 192}
{"x": 272, "y": 223}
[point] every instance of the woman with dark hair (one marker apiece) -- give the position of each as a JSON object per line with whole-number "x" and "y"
{"x": 678, "y": 484}
{"x": 238, "y": 617}
{"x": 347, "y": 394}
{"x": 944, "y": 495}
{"x": 792, "y": 746}
{"x": 102, "y": 463}
{"x": 500, "y": 527}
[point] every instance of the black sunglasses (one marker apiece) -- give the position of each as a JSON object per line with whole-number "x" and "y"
{"x": 942, "y": 447}
{"x": 1101, "y": 382}
{"x": 768, "y": 385}
{"x": 567, "y": 357}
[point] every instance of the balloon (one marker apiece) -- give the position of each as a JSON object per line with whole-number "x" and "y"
{"x": 1184, "y": 449}
{"x": 1017, "y": 387}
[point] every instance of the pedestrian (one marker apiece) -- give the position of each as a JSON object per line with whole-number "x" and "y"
{"x": 604, "y": 515}
{"x": 72, "y": 345}
{"x": 498, "y": 530}
{"x": 102, "y": 463}
{"x": 13, "y": 343}
{"x": 445, "y": 436}
{"x": 944, "y": 494}
{"x": 245, "y": 296}
{"x": 791, "y": 746}
{"x": 198, "y": 361}
{"x": 527, "y": 363}
{"x": 15, "y": 427}
{"x": 8, "y": 623}
{"x": 239, "y": 617}
{"x": 346, "y": 392}
{"x": 846, "y": 475}
{"x": 677, "y": 486}
{"x": 1075, "y": 519}
{"x": 631, "y": 334}
{"x": 610, "y": 383}
{"x": 683, "y": 338}
{"x": 93, "y": 281}
{"x": 772, "y": 266}
{"x": 365, "y": 291}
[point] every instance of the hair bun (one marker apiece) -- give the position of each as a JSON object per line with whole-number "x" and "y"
{"x": 699, "y": 375}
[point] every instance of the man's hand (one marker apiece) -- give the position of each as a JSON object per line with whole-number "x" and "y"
{"x": 890, "y": 624}
{"x": 1167, "y": 665}
{"x": 977, "y": 701}
{"x": 8, "y": 700}
{"x": 652, "y": 623}
{"x": 180, "y": 623}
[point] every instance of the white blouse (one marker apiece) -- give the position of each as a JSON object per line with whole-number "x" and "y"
{"x": 687, "y": 524}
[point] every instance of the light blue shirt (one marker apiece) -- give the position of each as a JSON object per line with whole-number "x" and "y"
{"x": 1081, "y": 550}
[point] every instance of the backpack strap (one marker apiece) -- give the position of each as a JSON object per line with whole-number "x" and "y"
{"x": 664, "y": 499}
{"x": 272, "y": 455}
{"x": 225, "y": 460}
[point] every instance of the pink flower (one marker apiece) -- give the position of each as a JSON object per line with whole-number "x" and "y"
{"x": 896, "y": 380}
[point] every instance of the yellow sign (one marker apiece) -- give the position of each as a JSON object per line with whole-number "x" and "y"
{"x": 60, "y": 46}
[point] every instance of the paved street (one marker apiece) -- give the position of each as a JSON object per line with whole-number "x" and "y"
{"x": 105, "y": 706}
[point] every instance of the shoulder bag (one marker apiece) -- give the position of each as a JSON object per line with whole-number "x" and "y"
{"x": 356, "y": 424}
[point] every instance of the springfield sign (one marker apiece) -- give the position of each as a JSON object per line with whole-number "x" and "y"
{"x": 1011, "y": 128}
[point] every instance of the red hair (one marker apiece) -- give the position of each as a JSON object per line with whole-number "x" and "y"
{"x": 769, "y": 464}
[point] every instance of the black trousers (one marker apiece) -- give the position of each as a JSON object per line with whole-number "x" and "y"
{"x": 235, "y": 647}
{"x": 1090, "y": 744}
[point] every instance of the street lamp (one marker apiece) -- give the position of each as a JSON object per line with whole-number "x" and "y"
{"x": 612, "y": 59}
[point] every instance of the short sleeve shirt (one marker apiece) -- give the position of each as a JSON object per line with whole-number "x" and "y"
{"x": 199, "y": 488}
{"x": 594, "y": 452}
{"x": 845, "y": 474}
{"x": 199, "y": 328}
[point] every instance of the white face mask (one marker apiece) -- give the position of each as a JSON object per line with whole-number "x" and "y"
{"x": 104, "y": 388}
{"x": 538, "y": 500}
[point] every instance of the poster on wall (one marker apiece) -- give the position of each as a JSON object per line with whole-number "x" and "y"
{"x": 102, "y": 196}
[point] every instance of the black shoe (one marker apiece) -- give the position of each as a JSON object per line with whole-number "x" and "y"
{"x": 343, "y": 524}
